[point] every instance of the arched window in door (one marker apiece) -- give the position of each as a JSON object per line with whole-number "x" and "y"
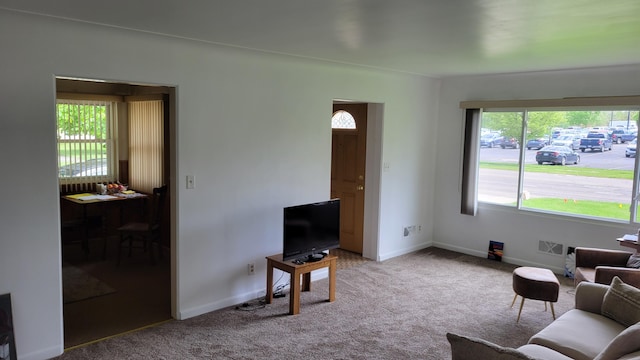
{"x": 342, "y": 120}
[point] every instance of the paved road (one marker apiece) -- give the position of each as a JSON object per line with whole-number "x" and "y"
{"x": 613, "y": 159}
{"x": 495, "y": 184}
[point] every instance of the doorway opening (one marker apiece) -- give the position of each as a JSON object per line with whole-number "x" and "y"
{"x": 98, "y": 130}
{"x": 356, "y": 160}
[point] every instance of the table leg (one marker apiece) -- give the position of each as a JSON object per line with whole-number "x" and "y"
{"x": 85, "y": 227}
{"x": 269, "y": 296}
{"x": 306, "y": 281}
{"x": 105, "y": 230}
{"x": 294, "y": 296}
{"x": 332, "y": 280}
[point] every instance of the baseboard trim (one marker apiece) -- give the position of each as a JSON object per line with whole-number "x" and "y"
{"x": 407, "y": 250}
{"x": 116, "y": 335}
{"x": 509, "y": 260}
{"x": 239, "y": 299}
{"x": 47, "y": 353}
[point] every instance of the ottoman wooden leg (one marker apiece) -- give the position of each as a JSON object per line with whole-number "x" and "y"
{"x": 514, "y": 299}
{"x": 552, "y": 311}
{"x": 520, "y": 311}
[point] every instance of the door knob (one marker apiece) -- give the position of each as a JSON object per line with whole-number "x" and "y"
{"x": 359, "y": 187}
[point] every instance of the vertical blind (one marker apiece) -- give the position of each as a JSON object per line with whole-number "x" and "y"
{"x": 146, "y": 144}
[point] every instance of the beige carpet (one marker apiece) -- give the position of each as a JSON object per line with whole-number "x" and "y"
{"x": 397, "y": 309}
{"x": 347, "y": 259}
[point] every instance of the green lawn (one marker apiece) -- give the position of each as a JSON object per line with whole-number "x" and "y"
{"x": 78, "y": 152}
{"x": 612, "y": 210}
{"x": 565, "y": 170}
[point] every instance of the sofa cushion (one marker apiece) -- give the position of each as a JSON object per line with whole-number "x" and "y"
{"x": 464, "y": 347}
{"x": 541, "y": 352}
{"x": 633, "y": 356}
{"x": 622, "y": 303}
{"x": 596, "y": 331}
{"x": 626, "y": 342}
{"x": 584, "y": 274}
{"x": 589, "y": 296}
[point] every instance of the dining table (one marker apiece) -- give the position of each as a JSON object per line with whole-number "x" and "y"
{"x": 105, "y": 204}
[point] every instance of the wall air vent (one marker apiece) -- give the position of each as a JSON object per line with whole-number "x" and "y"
{"x": 549, "y": 247}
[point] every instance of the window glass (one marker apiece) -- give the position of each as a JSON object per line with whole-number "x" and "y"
{"x": 499, "y": 157}
{"x": 343, "y": 120}
{"x": 578, "y": 162}
{"x": 84, "y": 141}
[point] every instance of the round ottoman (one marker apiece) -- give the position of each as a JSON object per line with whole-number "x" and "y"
{"x": 536, "y": 284}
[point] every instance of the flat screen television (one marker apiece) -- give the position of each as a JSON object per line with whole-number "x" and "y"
{"x": 310, "y": 229}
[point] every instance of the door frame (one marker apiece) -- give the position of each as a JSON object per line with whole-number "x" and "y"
{"x": 373, "y": 177}
{"x": 170, "y": 161}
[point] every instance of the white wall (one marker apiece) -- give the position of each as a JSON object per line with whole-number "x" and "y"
{"x": 519, "y": 230}
{"x": 254, "y": 130}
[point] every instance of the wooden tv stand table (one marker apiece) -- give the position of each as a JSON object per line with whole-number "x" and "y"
{"x": 295, "y": 270}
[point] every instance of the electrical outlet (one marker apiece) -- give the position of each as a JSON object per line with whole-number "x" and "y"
{"x": 191, "y": 182}
{"x": 251, "y": 269}
{"x": 410, "y": 230}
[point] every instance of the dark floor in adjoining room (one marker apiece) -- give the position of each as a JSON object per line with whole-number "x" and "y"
{"x": 141, "y": 298}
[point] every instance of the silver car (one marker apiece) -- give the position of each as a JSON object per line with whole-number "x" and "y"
{"x": 570, "y": 141}
{"x": 630, "y": 151}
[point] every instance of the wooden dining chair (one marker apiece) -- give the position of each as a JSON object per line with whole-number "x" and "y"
{"x": 143, "y": 235}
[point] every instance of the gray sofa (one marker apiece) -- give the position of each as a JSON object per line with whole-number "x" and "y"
{"x": 604, "y": 325}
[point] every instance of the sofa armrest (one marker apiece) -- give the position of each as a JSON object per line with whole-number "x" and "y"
{"x": 592, "y": 257}
{"x": 589, "y": 296}
{"x": 631, "y": 276}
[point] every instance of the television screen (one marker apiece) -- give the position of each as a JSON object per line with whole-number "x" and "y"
{"x": 310, "y": 229}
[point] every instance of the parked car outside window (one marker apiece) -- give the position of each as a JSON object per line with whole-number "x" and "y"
{"x": 491, "y": 140}
{"x": 630, "y": 151}
{"x": 570, "y": 141}
{"x": 560, "y": 155}
{"x": 537, "y": 143}
{"x": 511, "y": 143}
{"x": 619, "y": 136}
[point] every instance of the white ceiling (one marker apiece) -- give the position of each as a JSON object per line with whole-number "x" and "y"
{"x": 429, "y": 37}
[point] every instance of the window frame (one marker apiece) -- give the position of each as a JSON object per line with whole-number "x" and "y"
{"x": 110, "y": 140}
{"x": 473, "y": 111}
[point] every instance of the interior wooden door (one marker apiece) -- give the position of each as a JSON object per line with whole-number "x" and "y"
{"x": 347, "y": 175}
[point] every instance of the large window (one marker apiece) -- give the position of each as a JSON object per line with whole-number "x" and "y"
{"x": 577, "y": 161}
{"x": 85, "y": 145}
